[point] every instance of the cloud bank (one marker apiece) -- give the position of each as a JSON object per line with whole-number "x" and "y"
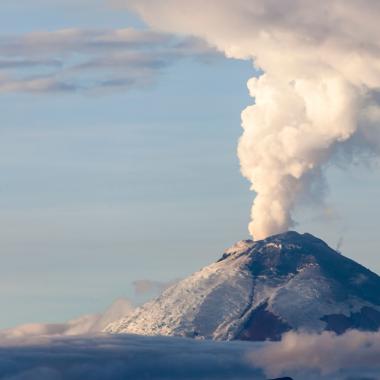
{"x": 318, "y": 94}
{"x": 125, "y": 357}
{"x": 353, "y": 355}
{"x": 72, "y": 60}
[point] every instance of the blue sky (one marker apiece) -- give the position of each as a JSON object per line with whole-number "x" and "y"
{"x": 99, "y": 189}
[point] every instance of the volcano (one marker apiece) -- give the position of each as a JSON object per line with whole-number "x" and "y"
{"x": 259, "y": 290}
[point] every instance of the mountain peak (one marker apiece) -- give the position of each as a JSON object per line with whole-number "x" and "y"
{"x": 289, "y": 239}
{"x": 292, "y": 238}
{"x": 261, "y": 289}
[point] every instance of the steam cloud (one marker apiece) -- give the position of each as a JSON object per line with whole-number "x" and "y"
{"x": 317, "y": 94}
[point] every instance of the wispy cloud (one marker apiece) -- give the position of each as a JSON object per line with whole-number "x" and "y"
{"x": 151, "y": 287}
{"x": 83, "y": 60}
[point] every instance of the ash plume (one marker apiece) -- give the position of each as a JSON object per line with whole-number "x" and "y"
{"x": 316, "y": 95}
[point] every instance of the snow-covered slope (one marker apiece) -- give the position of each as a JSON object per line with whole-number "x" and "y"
{"x": 258, "y": 290}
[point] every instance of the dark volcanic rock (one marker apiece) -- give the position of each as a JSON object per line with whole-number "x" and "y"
{"x": 366, "y": 319}
{"x": 261, "y": 325}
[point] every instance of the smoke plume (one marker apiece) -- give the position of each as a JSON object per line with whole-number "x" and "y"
{"x": 316, "y": 95}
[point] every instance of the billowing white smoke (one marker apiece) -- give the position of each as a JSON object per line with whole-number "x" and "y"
{"x": 288, "y": 134}
{"x": 320, "y": 63}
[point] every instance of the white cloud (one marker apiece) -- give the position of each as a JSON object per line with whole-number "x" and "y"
{"x": 354, "y": 355}
{"x": 86, "y": 324}
{"x": 321, "y": 66}
{"x": 151, "y": 287}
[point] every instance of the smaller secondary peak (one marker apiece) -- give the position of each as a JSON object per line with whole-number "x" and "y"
{"x": 240, "y": 247}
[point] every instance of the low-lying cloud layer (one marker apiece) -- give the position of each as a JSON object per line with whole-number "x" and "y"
{"x": 86, "y": 324}
{"x": 83, "y": 60}
{"x": 354, "y": 355}
{"x": 126, "y": 357}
